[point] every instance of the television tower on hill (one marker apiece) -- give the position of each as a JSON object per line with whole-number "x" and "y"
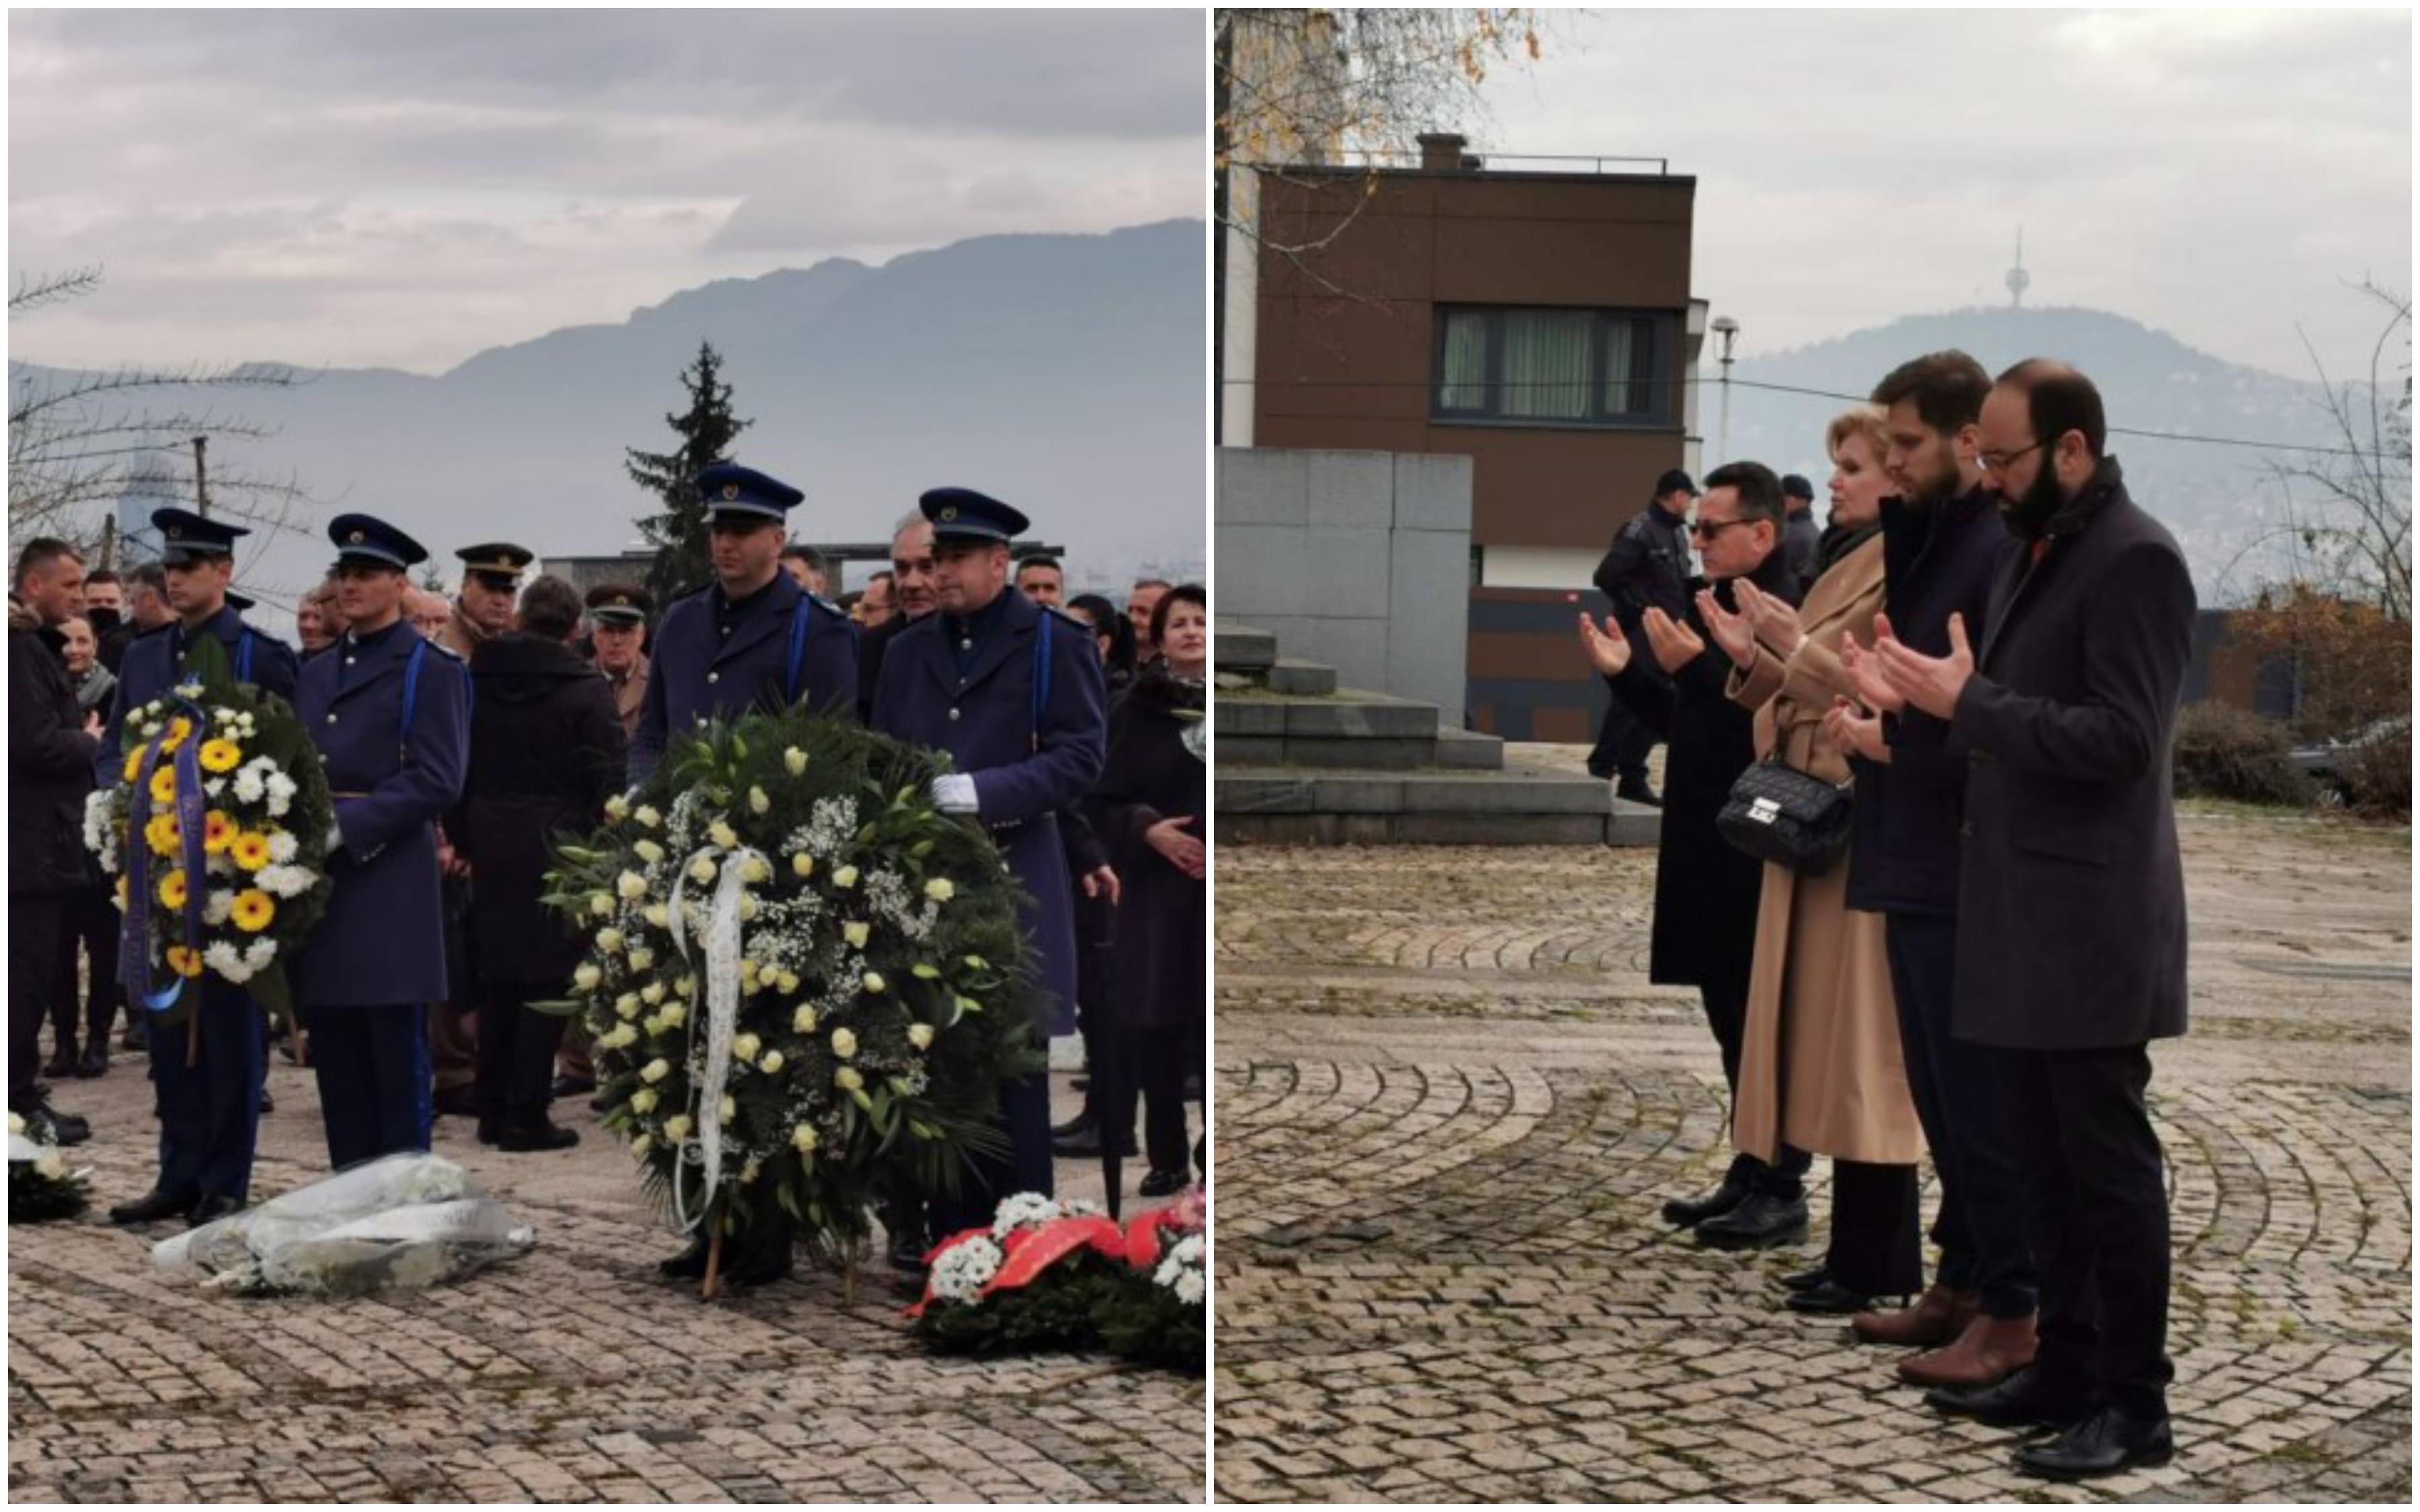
{"x": 2017, "y": 279}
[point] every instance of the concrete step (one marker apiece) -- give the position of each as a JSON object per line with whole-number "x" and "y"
{"x": 1468, "y": 750}
{"x": 1306, "y": 789}
{"x": 1376, "y": 752}
{"x": 1418, "y": 829}
{"x": 1291, "y": 676}
{"x": 1239, "y": 648}
{"x": 1346, "y": 715}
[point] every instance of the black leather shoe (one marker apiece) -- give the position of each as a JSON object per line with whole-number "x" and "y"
{"x": 1827, "y": 1298}
{"x": 689, "y": 1264}
{"x": 94, "y": 1062}
{"x": 1160, "y": 1184}
{"x": 156, "y": 1204}
{"x": 535, "y": 1136}
{"x": 1083, "y": 1145}
{"x": 1690, "y": 1211}
{"x": 2027, "y": 1399}
{"x": 1635, "y": 790}
{"x": 1761, "y": 1221}
{"x": 458, "y": 1102}
{"x": 1807, "y": 1280}
{"x": 601, "y": 1103}
{"x": 1080, "y": 1124}
{"x": 210, "y": 1209}
{"x": 62, "y": 1063}
{"x": 2103, "y": 1444}
{"x": 490, "y": 1131}
{"x": 268, "y": 1103}
{"x": 45, "y": 1124}
{"x": 571, "y": 1086}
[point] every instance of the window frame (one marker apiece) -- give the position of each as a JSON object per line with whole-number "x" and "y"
{"x": 1662, "y": 328}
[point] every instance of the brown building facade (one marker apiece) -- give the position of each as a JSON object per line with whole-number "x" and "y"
{"x": 1537, "y": 322}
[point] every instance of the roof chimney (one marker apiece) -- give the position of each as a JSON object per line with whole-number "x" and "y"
{"x": 1441, "y": 151}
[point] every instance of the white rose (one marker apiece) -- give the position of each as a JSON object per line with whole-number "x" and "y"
{"x": 940, "y": 890}
{"x": 702, "y": 871}
{"x": 787, "y": 981}
{"x": 796, "y": 760}
{"x": 747, "y": 1046}
{"x": 803, "y": 1021}
{"x": 658, "y": 915}
{"x": 609, "y": 940}
{"x": 586, "y": 978}
{"x": 641, "y": 958}
{"x": 873, "y": 983}
{"x": 652, "y": 993}
{"x": 802, "y": 864}
{"x": 641, "y": 1145}
{"x": 631, "y": 885}
{"x": 771, "y": 1063}
{"x": 756, "y": 870}
{"x": 676, "y": 1127}
{"x": 644, "y": 1099}
{"x": 648, "y": 851}
{"x": 729, "y": 1108}
{"x": 16, "y": 1123}
{"x": 617, "y": 808}
{"x": 843, "y": 1043}
{"x": 53, "y": 1168}
{"x": 757, "y": 801}
{"x": 748, "y": 906}
{"x": 921, "y": 1036}
{"x": 722, "y": 835}
{"x": 847, "y": 1080}
{"x": 675, "y": 1014}
{"x": 655, "y": 1071}
{"x": 601, "y": 904}
{"x": 857, "y": 934}
{"x": 802, "y": 1138}
{"x": 627, "y": 1006}
{"x": 845, "y": 878}
{"x": 648, "y": 816}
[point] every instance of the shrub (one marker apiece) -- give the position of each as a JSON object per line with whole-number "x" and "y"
{"x": 2223, "y": 752}
{"x": 2378, "y": 774}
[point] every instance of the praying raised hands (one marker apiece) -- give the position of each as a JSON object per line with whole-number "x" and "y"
{"x": 1673, "y": 643}
{"x": 1854, "y": 731}
{"x": 1609, "y": 649}
{"x": 1862, "y": 664}
{"x": 1774, "y": 621}
{"x": 1732, "y": 632}
{"x": 1932, "y": 684}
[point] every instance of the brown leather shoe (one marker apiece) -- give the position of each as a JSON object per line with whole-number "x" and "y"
{"x": 1939, "y": 1315}
{"x": 1990, "y": 1351}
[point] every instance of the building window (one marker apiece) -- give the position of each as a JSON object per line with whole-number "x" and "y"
{"x": 1553, "y": 367}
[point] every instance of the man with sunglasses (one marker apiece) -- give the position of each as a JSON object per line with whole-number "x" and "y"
{"x": 1706, "y": 890}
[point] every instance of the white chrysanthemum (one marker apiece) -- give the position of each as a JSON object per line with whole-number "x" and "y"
{"x": 222, "y": 957}
{"x": 281, "y": 794}
{"x": 1190, "y": 1289}
{"x": 215, "y": 910}
{"x": 961, "y": 1271}
{"x": 1022, "y": 1210}
{"x": 250, "y": 787}
{"x": 259, "y": 953}
{"x": 284, "y": 847}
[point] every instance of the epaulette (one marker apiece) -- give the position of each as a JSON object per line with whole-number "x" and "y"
{"x": 447, "y": 652}
{"x": 1081, "y": 624}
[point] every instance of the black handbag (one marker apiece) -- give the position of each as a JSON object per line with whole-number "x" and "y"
{"x": 1780, "y": 814}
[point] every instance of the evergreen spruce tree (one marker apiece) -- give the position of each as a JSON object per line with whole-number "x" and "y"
{"x": 707, "y": 432}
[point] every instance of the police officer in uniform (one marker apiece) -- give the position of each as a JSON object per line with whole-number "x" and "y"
{"x": 1013, "y": 691}
{"x": 210, "y": 1110}
{"x": 390, "y": 712}
{"x": 751, "y": 637}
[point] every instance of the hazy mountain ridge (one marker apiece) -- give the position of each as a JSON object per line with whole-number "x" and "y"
{"x": 1067, "y": 374}
{"x": 2215, "y": 499}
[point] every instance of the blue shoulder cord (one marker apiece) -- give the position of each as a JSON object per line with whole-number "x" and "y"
{"x": 410, "y": 693}
{"x": 243, "y": 656}
{"x": 1041, "y": 678}
{"x": 798, "y": 644}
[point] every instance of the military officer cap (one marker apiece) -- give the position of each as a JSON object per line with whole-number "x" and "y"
{"x": 499, "y": 564}
{"x": 619, "y": 603}
{"x": 185, "y": 536}
{"x": 967, "y": 518}
{"x": 369, "y": 541}
{"x": 746, "y": 496}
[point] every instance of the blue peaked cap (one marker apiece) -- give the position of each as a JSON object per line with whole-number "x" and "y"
{"x": 963, "y": 514}
{"x": 367, "y": 539}
{"x": 732, "y": 489}
{"x": 185, "y": 535}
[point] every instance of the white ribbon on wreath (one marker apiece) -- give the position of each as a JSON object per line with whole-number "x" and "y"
{"x": 721, "y": 991}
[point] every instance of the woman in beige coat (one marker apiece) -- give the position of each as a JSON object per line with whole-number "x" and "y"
{"x": 1821, "y": 1069}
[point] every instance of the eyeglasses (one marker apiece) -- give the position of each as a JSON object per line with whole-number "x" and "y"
{"x": 1991, "y": 463}
{"x": 1706, "y": 529}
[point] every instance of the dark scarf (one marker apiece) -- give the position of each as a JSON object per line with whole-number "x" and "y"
{"x": 1837, "y": 541}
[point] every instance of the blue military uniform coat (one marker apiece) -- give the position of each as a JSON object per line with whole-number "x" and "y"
{"x": 985, "y": 718}
{"x": 209, "y": 1112}
{"x": 713, "y": 660}
{"x": 382, "y": 941}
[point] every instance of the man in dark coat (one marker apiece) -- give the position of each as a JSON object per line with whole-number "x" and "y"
{"x": 2072, "y": 903}
{"x": 210, "y": 1110}
{"x": 1706, "y": 889}
{"x": 546, "y": 752}
{"x": 1941, "y": 544}
{"x": 51, "y": 749}
{"x": 1802, "y": 540}
{"x": 390, "y": 711}
{"x": 1013, "y": 692}
{"x": 1646, "y": 568}
{"x": 753, "y": 638}
{"x": 911, "y": 584}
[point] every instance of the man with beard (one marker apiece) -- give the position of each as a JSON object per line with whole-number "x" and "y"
{"x": 210, "y": 1110}
{"x": 1940, "y": 545}
{"x": 1706, "y": 890}
{"x": 2071, "y": 923}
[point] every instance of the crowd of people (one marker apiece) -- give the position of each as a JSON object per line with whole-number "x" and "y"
{"x": 1979, "y": 659}
{"x": 461, "y": 737}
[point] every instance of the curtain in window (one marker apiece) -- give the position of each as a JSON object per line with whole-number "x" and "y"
{"x": 1621, "y": 395}
{"x": 1546, "y": 363}
{"x": 1462, "y": 379}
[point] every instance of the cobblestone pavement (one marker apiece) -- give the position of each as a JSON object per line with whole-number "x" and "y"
{"x": 1449, "y": 1103}
{"x": 572, "y": 1374}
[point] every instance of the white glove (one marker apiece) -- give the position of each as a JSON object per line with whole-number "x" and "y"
{"x": 955, "y": 792}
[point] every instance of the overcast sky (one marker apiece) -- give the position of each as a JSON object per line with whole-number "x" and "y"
{"x": 2212, "y": 174}
{"x": 406, "y": 188}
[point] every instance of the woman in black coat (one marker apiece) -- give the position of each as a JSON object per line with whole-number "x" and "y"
{"x": 1149, "y": 809}
{"x": 546, "y": 752}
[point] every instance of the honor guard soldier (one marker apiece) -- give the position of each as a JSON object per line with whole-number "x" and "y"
{"x": 390, "y": 712}
{"x": 210, "y": 1110}
{"x": 617, "y": 615}
{"x": 1013, "y": 691}
{"x": 753, "y": 638}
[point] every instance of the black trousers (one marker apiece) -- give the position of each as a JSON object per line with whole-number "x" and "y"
{"x": 1876, "y": 1249}
{"x": 91, "y": 924}
{"x": 517, "y": 1047}
{"x": 1726, "y": 1001}
{"x": 1958, "y": 1092}
{"x": 1622, "y": 742}
{"x": 2097, "y": 1211}
{"x": 372, "y": 1065}
{"x": 36, "y": 921}
{"x": 210, "y": 1112}
{"x": 1160, "y": 1060}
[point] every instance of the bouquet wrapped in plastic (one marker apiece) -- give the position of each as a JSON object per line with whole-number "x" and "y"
{"x": 400, "y": 1223}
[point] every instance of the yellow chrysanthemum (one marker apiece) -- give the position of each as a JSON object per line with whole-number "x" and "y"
{"x": 184, "y": 962}
{"x": 221, "y": 755}
{"x": 134, "y": 763}
{"x": 161, "y": 834}
{"x": 179, "y": 728}
{"x": 250, "y": 851}
{"x": 172, "y": 890}
{"x": 253, "y": 909}
{"x": 163, "y": 783}
{"x": 218, "y": 833}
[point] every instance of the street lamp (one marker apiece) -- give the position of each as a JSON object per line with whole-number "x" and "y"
{"x": 1727, "y": 328}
